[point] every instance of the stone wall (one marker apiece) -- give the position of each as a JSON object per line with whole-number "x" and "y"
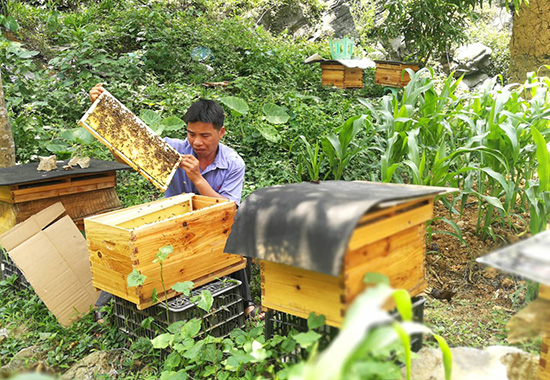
{"x": 530, "y": 43}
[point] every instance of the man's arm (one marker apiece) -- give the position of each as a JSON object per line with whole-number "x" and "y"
{"x": 190, "y": 164}
{"x": 230, "y": 189}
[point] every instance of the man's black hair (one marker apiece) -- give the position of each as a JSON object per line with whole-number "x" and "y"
{"x": 205, "y": 111}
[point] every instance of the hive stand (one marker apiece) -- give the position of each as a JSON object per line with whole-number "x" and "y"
{"x": 315, "y": 250}
{"x": 24, "y": 191}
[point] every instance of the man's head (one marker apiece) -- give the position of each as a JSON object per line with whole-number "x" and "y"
{"x": 206, "y": 111}
{"x": 205, "y": 127}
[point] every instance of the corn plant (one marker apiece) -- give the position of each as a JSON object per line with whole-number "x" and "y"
{"x": 312, "y": 159}
{"x": 339, "y": 148}
{"x": 481, "y": 142}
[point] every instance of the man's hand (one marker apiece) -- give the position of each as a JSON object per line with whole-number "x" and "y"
{"x": 190, "y": 164}
{"x": 96, "y": 91}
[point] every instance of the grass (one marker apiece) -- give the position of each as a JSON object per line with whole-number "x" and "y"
{"x": 487, "y": 327}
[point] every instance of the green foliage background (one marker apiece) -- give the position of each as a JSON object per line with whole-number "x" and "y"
{"x": 142, "y": 53}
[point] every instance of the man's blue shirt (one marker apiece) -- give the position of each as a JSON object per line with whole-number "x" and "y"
{"x": 225, "y": 174}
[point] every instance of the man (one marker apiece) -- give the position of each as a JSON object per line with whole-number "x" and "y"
{"x": 208, "y": 167}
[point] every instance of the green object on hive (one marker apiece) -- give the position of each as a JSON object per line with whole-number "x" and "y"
{"x": 342, "y": 48}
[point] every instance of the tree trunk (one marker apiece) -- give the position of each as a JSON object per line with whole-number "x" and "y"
{"x": 530, "y": 43}
{"x": 7, "y": 145}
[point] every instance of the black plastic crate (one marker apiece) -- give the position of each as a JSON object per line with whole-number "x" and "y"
{"x": 280, "y": 323}
{"x": 9, "y": 269}
{"x": 226, "y": 314}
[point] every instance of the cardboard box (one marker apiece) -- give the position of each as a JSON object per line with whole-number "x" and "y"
{"x": 51, "y": 252}
{"x": 196, "y": 226}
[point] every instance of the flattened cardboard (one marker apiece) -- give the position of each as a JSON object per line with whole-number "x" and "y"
{"x": 54, "y": 260}
{"x": 30, "y": 227}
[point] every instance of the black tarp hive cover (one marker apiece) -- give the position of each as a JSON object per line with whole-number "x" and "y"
{"x": 308, "y": 225}
{"x": 26, "y": 173}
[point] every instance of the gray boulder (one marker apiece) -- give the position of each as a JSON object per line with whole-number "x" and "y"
{"x": 497, "y": 362}
{"x": 89, "y": 367}
{"x": 471, "y": 59}
{"x": 335, "y": 21}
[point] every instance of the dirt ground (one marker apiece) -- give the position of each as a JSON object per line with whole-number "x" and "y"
{"x": 467, "y": 302}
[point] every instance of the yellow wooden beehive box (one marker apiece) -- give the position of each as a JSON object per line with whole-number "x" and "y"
{"x": 338, "y": 75}
{"x": 196, "y": 226}
{"x": 309, "y": 264}
{"x": 392, "y": 73}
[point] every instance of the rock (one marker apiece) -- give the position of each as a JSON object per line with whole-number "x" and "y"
{"x": 519, "y": 365}
{"x": 475, "y": 80}
{"x": 495, "y": 362}
{"x": 19, "y": 362}
{"x": 503, "y": 21}
{"x": 335, "y": 21}
{"x": 83, "y": 162}
{"x": 470, "y": 59}
{"x": 3, "y": 334}
{"x": 289, "y": 16}
{"x": 89, "y": 367}
{"x": 338, "y": 19}
{"x": 47, "y": 164}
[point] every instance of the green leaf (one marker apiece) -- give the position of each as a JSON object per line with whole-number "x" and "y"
{"x": 403, "y": 303}
{"x": 447, "y": 356}
{"x": 172, "y": 361}
{"x": 237, "y": 105}
{"x": 151, "y": 118}
{"x": 376, "y": 278}
{"x": 163, "y": 253}
{"x": 146, "y": 323}
{"x": 406, "y": 343}
{"x": 205, "y": 300}
{"x": 57, "y": 147}
{"x": 275, "y": 114}
{"x": 307, "y": 339}
{"x": 171, "y": 375}
{"x": 135, "y": 278}
{"x": 184, "y": 287}
{"x": 154, "y": 296}
{"x": 269, "y": 133}
{"x": 193, "y": 352}
{"x": 162, "y": 341}
{"x": 191, "y": 328}
{"x": 173, "y": 123}
{"x": 543, "y": 160}
{"x": 315, "y": 321}
{"x": 82, "y": 136}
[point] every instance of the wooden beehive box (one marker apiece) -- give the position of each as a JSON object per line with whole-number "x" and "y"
{"x": 24, "y": 191}
{"x": 392, "y": 73}
{"x": 196, "y": 226}
{"x": 131, "y": 139}
{"x": 338, "y": 75}
{"x": 320, "y": 268}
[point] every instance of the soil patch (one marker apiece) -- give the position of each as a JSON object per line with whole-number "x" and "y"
{"x": 469, "y": 303}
